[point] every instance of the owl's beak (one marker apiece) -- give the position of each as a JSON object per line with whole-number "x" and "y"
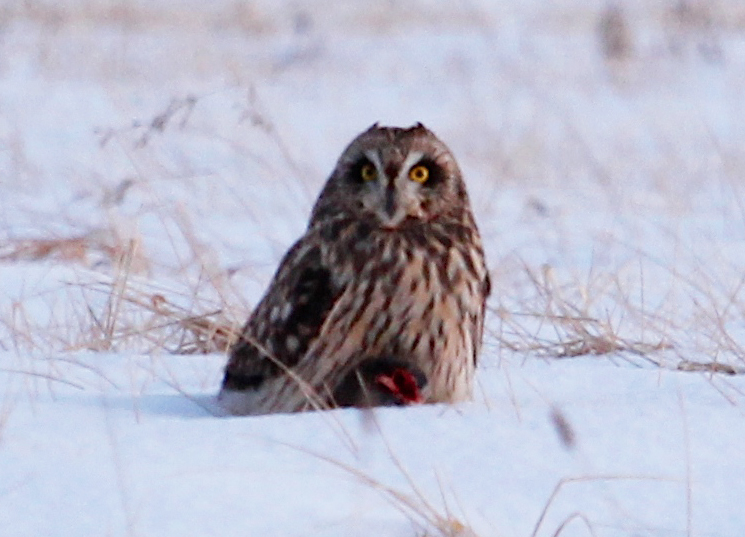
{"x": 393, "y": 214}
{"x": 390, "y": 206}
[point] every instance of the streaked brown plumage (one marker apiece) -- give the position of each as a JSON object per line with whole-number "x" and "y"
{"x": 385, "y": 290}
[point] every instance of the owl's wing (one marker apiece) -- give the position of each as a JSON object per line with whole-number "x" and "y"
{"x": 286, "y": 321}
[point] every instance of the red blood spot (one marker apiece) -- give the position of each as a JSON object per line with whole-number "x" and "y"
{"x": 402, "y": 385}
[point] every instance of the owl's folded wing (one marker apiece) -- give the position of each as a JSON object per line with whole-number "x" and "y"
{"x": 286, "y": 321}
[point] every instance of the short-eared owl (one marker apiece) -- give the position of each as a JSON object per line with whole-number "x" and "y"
{"x": 382, "y": 300}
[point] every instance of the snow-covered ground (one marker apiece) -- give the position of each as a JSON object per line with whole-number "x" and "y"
{"x": 156, "y": 162}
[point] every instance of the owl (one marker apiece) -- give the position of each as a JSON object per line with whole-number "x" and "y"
{"x": 381, "y": 301}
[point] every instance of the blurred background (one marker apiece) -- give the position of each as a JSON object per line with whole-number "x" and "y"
{"x": 602, "y": 141}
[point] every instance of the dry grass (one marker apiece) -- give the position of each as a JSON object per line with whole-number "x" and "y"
{"x": 118, "y": 306}
{"x": 692, "y": 327}
{"x": 113, "y": 306}
{"x": 137, "y": 16}
{"x": 430, "y": 518}
{"x": 124, "y": 310}
{"x": 587, "y": 524}
{"x": 143, "y": 318}
{"x": 6, "y": 409}
{"x": 87, "y": 250}
{"x": 553, "y": 320}
{"x": 438, "y": 519}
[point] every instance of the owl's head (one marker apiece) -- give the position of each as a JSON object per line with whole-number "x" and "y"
{"x": 395, "y": 176}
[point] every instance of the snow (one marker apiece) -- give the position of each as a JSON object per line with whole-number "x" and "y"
{"x": 128, "y": 444}
{"x": 608, "y": 193}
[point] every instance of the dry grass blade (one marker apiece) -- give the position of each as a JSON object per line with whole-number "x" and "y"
{"x": 64, "y": 249}
{"x": 415, "y": 507}
{"x": 563, "y": 483}
{"x": 571, "y": 518}
{"x": 710, "y": 367}
{"x": 6, "y": 409}
{"x": 99, "y": 245}
{"x": 44, "y": 376}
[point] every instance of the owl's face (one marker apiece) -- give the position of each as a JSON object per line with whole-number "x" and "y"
{"x": 396, "y": 176}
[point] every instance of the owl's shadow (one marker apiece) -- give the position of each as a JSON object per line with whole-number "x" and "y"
{"x": 185, "y": 406}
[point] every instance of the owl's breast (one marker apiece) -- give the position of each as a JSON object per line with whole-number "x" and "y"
{"x": 416, "y": 301}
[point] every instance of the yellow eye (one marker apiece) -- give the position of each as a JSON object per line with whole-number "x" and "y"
{"x": 368, "y": 172}
{"x": 419, "y": 173}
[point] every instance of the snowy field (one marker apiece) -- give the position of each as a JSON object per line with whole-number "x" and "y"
{"x": 156, "y": 162}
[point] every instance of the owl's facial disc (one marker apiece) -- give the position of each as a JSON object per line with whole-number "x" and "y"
{"x": 393, "y": 186}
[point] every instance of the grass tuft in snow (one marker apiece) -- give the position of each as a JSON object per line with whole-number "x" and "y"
{"x": 553, "y": 320}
